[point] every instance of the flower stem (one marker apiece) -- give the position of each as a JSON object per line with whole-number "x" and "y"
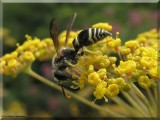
{"x": 134, "y": 104}
{"x": 120, "y": 56}
{"x": 131, "y": 111}
{"x": 152, "y": 101}
{"x": 141, "y": 95}
{"x": 73, "y": 95}
{"x": 139, "y": 101}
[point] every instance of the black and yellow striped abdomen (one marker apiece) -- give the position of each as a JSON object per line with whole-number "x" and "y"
{"x": 89, "y": 36}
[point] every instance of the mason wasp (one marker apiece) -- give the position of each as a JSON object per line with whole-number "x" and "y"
{"x": 64, "y": 56}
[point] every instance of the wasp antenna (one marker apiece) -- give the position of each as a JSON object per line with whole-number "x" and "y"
{"x": 69, "y": 28}
{"x": 64, "y": 93}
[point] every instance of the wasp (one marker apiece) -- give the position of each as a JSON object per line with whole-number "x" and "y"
{"x": 64, "y": 55}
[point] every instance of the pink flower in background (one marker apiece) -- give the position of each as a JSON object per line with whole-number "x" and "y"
{"x": 46, "y": 70}
{"x": 135, "y": 18}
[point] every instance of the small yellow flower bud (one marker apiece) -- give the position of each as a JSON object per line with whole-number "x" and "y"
{"x": 91, "y": 69}
{"x": 40, "y": 46}
{"x": 48, "y": 41}
{"x": 110, "y": 44}
{"x": 102, "y": 73}
{"x": 13, "y": 54}
{"x": 104, "y": 26}
{"x": 12, "y": 68}
{"x": 125, "y": 87}
{"x": 146, "y": 62}
{"x": 114, "y": 43}
{"x": 155, "y": 72}
{"x": 144, "y": 82}
{"x": 104, "y": 63}
{"x": 130, "y": 56}
{"x": 117, "y": 42}
{"x": 126, "y": 67}
{"x": 20, "y": 49}
{"x": 111, "y": 81}
{"x": 112, "y": 59}
{"x": 27, "y": 56}
{"x": 28, "y": 37}
{"x": 131, "y": 44}
{"x": 137, "y": 58}
{"x": 142, "y": 39}
{"x": 125, "y": 51}
{"x": 6, "y": 57}
{"x": 119, "y": 81}
{"x": 37, "y": 54}
{"x": 117, "y": 34}
{"x": 40, "y": 54}
{"x": 93, "y": 78}
{"x": 100, "y": 90}
{"x": 112, "y": 90}
{"x": 150, "y": 52}
{"x": 12, "y": 63}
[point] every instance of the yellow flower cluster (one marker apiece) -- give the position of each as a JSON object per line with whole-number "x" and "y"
{"x": 126, "y": 67}
{"x": 104, "y": 26}
{"x": 114, "y": 43}
{"x": 103, "y": 71}
{"x": 138, "y": 63}
{"x": 25, "y": 55}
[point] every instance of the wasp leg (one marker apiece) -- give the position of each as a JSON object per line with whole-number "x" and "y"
{"x": 64, "y": 93}
{"x": 69, "y": 88}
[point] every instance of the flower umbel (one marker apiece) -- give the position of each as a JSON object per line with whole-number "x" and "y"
{"x": 107, "y": 74}
{"x": 138, "y": 59}
{"x": 17, "y": 61}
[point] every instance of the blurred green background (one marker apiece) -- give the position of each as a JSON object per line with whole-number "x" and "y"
{"x": 32, "y": 98}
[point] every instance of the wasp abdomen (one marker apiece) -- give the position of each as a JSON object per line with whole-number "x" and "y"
{"x": 89, "y": 36}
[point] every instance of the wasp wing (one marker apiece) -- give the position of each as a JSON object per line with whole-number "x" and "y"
{"x": 53, "y": 29}
{"x": 69, "y": 28}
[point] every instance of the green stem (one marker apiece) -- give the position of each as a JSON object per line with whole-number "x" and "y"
{"x": 152, "y": 101}
{"x": 73, "y": 95}
{"x": 139, "y": 101}
{"x": 140, "y": 94}
{"x": 119, "y": 54}
{"x": 131, "y": 111}
{"x": 134, "y": 104}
